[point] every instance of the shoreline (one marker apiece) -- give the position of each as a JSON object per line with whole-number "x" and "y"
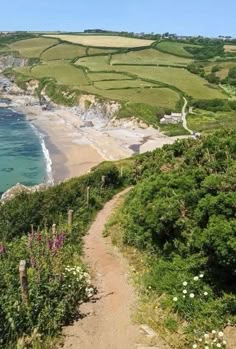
{"x": 46, "y": 153}
{"x": 74, "y": 149}
{"x": 68, "y": 159}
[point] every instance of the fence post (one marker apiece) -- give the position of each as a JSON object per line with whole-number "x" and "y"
{"x": 70, "y": 218}
{"x": 103, "y": 181}
{"x": 24, "y": 282}
{"x": 121, "y": 171}
{"x": 88, "y": 195}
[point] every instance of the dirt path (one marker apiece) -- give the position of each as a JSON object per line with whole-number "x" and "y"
{"x": 106, "y": 323}
{"x": 184, "y": 113}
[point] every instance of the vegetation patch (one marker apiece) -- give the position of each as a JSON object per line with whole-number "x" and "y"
{"x": 178, "y": 227}
{"x": 206, "y": 121}
{"x": 175, "y": 48}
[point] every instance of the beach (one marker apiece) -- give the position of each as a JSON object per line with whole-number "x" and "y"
{"x": 75, "y": 148}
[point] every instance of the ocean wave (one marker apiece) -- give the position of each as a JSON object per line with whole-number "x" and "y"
{"x": 46, "y": 154}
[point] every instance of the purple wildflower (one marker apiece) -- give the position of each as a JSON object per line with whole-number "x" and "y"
{"x": 2, "y": 249}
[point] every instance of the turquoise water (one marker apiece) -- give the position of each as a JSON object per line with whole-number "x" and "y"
{"x": 21, "y": 154}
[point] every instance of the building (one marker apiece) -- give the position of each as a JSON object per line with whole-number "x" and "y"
{"x": 173, "y": 118}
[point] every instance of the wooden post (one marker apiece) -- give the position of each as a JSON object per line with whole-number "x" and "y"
{"x": 32, "y": 229}
{"x": 88, "y": 195}
{"x": 103, "y": 181}
{"x": 24, "y": 282}
{"x": 54, "y": 229}
{"x": 121, "y": 171}
{"x": 70, "y": 218}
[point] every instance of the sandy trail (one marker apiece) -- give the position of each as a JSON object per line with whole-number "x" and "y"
{"x": 107, "y": 322}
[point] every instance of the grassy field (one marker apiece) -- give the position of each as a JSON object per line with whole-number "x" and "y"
{"x": 121, "y": 84}
{"x": 149, "y": 56}
{"x": 96, "y": 63}
{"x": 175, "y": 48}
{"x": 158, "y": 97}
{"x": 100, "y": 51}
{"x": 206, "y": 122}
{"x": 230, "y": 48}
{"x": 103, "y": 40}
{"x": 190, "y": 84}
{"x": 63, "y": 51}
{"x": 33, "y": 47}
{"x": 107, "y": 76}
{"x": 146, "y": 76}
{"x": 24, "y": 70}
{"x": 187, "y": 82}
{"x": 63, "y": 72}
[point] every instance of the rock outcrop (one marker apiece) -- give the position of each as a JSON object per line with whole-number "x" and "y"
{"x": 19, "y": 189}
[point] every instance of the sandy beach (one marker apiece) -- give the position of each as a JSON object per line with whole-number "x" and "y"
{"x": 75, "y": 149}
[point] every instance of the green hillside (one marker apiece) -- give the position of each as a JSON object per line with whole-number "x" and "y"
{"x": 201, "y": 69}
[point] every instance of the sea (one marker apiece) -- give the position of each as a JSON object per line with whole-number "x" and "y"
{"x": 24, "y": 157}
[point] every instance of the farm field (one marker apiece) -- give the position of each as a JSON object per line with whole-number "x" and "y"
{"x": 24, "y": 70}
{"x": 63, "y": 51}
{"x": 149, "y": 56}
{"x": 33, "y": 47}
{"x": 206, "y": 122}
{"x": 121, "y": 84}
{"x": 107, "y": 76}
{"x": 100, "y": 51}
{"x": 146, "y": 76}
{"x": 189, "y": 83}
{"x": 103, "y": 40}
{"x": 230, "y": 48}
{"x": 64, "y": 73}
{"x": 175, "y": 48}
{"x": 157, "y": 97}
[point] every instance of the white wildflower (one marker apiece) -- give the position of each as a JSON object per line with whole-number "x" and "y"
{"x": 201, "y": 276}
{"x": 206, "y": 335}
{"x": 218, "y": 345}
{"x": 205, "y": 293}
{"x": 185, "y": 283}
{"x": 224, "y": 343}
{"x": 191, "y": 295}
{"x": 221, "y": 334}
{"x": 206, "y": 347}
{"x": 200, "y": 340}
{"x": 175, "y": 299}
{"x": 213, "y": 332}
{"x": 195, "y": 278}
{"x": 184, "y": 296}
{"x": 194, "y": 346}
{"x": 185, "y": 291}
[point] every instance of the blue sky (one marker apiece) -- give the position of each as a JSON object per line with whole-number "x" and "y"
{"x": 204, "y": 17}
